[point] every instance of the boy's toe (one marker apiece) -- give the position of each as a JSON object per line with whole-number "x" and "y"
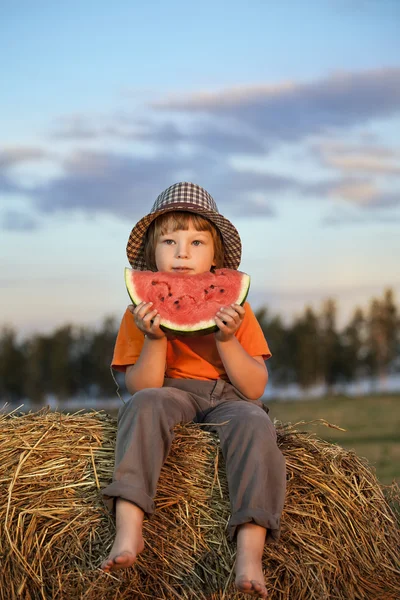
{"x": 259, "y": 588}
{"x": 106, "y": 565}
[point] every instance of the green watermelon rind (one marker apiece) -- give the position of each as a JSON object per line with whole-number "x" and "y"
{"x": 201, "y": 328}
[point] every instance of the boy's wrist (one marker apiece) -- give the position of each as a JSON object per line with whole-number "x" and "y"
{"x": 148, "y": 336}
{"x": 225, "y": 339}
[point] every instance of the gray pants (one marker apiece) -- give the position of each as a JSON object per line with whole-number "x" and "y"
{"x": 255, "y": 466}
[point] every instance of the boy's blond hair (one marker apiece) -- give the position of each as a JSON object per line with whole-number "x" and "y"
{"x": 179, "y": 220}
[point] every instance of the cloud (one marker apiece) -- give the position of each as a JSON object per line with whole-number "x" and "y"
{"x": 358, "y": 158}
{"x": 363, "y": 193}
{"x": 361, "y": 163}
{"x": 122, "y": 184}
{"x": 7, "y": 186}
{"x": 196, "y": 139}
{"x": 339, "y": 219}
{"x": 83, "y": 128}
{"x": 13, "y": 220}
{"x": 15, "y": 155}
{"x": 105, "y": 182}
{"x": 125, "y": 186}
{"x": 220, "y": 138}
{"x": 251, "y": 120}
{"x": 292, "y": 111}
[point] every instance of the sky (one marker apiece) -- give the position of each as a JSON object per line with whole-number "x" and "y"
{"x": 287, "y": 112}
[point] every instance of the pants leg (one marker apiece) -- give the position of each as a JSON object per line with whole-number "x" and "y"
{"x": 255, "y": 466}
{"x": 144, "y": 437}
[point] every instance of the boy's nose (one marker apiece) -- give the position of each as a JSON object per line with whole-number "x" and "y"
{"x": 182, "y": 251}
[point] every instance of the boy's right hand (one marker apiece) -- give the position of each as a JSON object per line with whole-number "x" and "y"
{"x": 147, "y": 320}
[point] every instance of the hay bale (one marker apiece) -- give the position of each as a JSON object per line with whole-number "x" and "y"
{"x": 340, "y": 539}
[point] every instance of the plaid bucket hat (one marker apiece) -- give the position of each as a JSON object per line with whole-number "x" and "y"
{"x": 187, "y": 197}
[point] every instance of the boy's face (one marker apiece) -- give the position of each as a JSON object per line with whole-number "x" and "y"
{"x": 185, "y": 251}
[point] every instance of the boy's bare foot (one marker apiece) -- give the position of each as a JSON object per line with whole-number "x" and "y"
{"x": 128, "y": 541}
{"x": 249, "y": 573}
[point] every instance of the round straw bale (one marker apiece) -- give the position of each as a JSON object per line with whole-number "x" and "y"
{"x": 340, "y": 536}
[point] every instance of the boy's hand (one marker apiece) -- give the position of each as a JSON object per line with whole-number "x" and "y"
{"x": 147, "y": 320}
{"x": 228, "y": 320}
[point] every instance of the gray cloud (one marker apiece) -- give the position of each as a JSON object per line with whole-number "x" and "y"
{"x": 84, "y": 128}
{"x": 339, "y": 219}
{"x": 199, "y": 147}
{"x": 127, "y": 186}
{"x": 358, "y": 158}
{"x": 13, "y": 220}
{"x": 228, "y": 140}
{"x": 363, "y": 193}
{"x": 293, "y": 111}
{"x": 7, "y": 186}
{"x": 221, "y": 138}
{"x": 15, "y": 155}
{"x": 252, "y": 120}
{"x": 105, "y": 182}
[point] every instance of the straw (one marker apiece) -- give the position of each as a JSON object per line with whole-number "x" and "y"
{"x": 340, "y": 533}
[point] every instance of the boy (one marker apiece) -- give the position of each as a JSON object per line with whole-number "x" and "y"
{"x": 214, "y": 379}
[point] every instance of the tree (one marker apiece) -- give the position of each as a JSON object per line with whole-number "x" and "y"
{"x": 330, "y": 345}
{"x": 101, "y": 352}
{"x": 354, "y": 346}
{"x": 12, "y": 366}
{"x": 37, "y": 383}
{"x": 383, "y": 335}
{"x": 62, "y": 375}
{"x": 276, "y": 335}
{"x": 305, "y": 344}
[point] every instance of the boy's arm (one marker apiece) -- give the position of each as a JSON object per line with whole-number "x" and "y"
{"x": 247, "y": 373}
{"x": 149, "y": 369}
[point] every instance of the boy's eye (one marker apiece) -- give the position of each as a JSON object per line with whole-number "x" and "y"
{"x": 168, "y": 242}
{"x": 197, "y": 242}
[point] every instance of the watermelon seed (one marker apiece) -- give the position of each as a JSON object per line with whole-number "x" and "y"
{"x": 154, "y": 283}
{"x": 206, "y": 291}
{"x": 176, "y": 302}
{"x": 170, "y": 294}
{"x": 162, "y": 299}
{"x": 221, "y": 291}
{"x": 212, "y": 286}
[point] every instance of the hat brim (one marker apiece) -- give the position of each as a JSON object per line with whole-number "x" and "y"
{"x": 229, "y": 233}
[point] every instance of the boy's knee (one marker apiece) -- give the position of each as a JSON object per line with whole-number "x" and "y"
{"x": 149, "y": 399}
{"x": 254, "y": 423}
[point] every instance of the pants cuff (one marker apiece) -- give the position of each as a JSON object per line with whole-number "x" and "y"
{"x": 119, "y": 489}
{"x": 269, "y": 521}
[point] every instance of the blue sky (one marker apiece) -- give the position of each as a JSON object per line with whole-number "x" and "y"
{"x": 287, "y": 113}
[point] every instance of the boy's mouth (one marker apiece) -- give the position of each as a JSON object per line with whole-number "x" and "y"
{"x": 181, "y": 269}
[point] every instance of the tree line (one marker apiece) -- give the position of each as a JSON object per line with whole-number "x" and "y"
{"x": 310, "y": 350}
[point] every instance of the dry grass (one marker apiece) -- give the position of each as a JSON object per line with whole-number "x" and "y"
{"x": 340, "y": 539}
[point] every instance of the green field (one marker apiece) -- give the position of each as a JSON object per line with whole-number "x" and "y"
{"x": 372, "y": 426}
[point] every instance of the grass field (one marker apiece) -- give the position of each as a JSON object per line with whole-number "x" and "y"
{"x": 372, "y": 426}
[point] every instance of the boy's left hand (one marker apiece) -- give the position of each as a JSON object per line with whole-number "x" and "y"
{"x": 228, "y": 319}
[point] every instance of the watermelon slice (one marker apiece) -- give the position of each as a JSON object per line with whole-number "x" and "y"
{"x": 187, "y": 304}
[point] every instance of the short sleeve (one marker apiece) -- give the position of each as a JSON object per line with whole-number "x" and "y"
{"x": 128, "y": 345}
{"x": 251, "y": 336}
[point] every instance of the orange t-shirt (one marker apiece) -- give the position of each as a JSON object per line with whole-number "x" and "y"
{"x": 194, "y": 357}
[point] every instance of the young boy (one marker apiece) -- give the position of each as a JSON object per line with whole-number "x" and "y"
{"x": 214, "y": 379}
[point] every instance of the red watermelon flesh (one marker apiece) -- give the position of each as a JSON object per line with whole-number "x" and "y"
{"x": 187, "y": 304}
